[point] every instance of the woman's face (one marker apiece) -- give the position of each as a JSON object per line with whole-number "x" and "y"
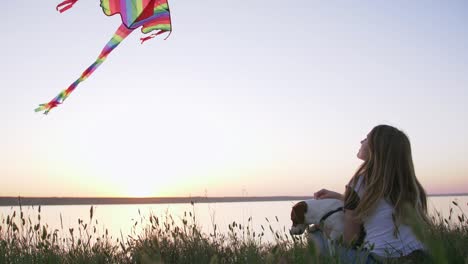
{"x": 363, "y": 153}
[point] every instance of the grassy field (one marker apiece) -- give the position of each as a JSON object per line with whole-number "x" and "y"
{"x": 26, "y": 240}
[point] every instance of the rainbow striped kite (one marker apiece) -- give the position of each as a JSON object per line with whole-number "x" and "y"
{"x": 151, "y": 15}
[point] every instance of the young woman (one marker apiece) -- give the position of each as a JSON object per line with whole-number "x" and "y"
{"x": 376, "y": 201}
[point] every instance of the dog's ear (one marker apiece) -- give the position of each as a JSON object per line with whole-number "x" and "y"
{"x": 298, "y": 213}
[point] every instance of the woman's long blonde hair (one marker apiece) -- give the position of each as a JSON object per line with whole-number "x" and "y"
{"x": 389, "y": 174}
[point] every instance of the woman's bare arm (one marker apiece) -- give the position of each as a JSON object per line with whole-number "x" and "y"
{"x": 352, "y": 227}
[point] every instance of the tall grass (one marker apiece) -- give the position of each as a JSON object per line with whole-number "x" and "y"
{"x": 445, "y": 238}
{"x": 162, "y": 240}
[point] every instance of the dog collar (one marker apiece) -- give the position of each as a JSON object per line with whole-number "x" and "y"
{"x": 330, "y": 213}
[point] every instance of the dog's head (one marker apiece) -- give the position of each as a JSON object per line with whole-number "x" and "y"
{"x": 298, "y": 218}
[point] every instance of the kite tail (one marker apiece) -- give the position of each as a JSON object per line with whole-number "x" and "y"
{"x": 121, "y": 33}
{"x": 143, "y": 39}
{"x": 65, "y": 5}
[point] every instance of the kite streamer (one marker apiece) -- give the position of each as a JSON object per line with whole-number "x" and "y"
{"x": 151, "y": 15}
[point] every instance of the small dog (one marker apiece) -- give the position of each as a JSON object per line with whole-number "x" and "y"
{"x": 327, "y": 213}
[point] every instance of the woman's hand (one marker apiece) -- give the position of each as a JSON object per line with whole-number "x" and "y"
{"x": 327, "y": 194}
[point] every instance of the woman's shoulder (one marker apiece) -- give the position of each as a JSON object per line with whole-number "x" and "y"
{"x": 357, "y": 184}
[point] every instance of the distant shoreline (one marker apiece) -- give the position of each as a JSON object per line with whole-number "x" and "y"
{"x": 448, "y": 194}
{"x": 28, "y": 201}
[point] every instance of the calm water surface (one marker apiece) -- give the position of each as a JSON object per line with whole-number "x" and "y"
{"x": 120, "y": 219}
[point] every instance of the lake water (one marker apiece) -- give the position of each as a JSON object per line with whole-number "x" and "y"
{"x": 120, "y": 219}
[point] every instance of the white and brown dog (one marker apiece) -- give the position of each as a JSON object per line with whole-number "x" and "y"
{"x": 326, "y": 213}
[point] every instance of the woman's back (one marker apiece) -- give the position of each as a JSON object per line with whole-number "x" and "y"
{"x": 381, "y": 238}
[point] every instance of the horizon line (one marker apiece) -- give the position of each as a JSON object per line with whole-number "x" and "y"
{"x": 190, "y": 196}
{"x": 56, "y": 200}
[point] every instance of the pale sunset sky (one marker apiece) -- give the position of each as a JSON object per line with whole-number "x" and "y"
{"x": 252, "y": 98}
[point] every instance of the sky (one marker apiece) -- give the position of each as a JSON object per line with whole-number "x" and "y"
{"x": 243, "y": 99}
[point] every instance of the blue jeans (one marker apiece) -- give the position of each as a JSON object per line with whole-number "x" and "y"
{"x": 345, "y": 255}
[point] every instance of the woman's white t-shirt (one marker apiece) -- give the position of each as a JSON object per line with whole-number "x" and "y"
{"x": 380, "y": 238}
